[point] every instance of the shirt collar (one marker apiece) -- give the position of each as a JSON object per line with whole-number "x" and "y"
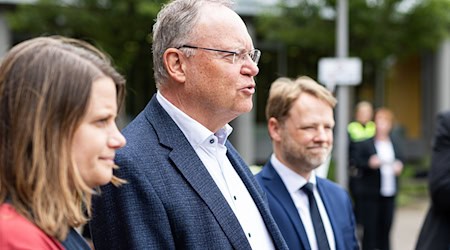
{"x": 291, "y": 179}
{"x": 223, "y": 133}
{"x": 195, "y": 132}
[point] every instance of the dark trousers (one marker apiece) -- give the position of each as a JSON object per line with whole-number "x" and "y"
{"x": 375, "y": 216}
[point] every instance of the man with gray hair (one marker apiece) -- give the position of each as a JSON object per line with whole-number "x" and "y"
{"x": 311, "y": 212}
{"x": 188, "y": 188}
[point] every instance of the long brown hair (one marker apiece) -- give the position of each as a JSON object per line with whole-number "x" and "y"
{"x": 45, "y": 87}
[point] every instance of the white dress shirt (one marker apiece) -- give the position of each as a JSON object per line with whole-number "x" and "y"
{"x": 211, "y": 150}
{"x": 385, "y": 152}
{"x": 294, "y": 182}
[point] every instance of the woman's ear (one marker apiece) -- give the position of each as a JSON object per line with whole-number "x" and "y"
{"x": 174, "y": 61}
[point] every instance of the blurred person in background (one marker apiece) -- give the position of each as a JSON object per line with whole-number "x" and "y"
{"x": 379, "y": 162}
{"x": 435, "y": 233}
{"x": 59, "y": 98}
{"x": 311, "y": 212}
{"x": 362, "y": 128}
{"x": 188, "y": 188}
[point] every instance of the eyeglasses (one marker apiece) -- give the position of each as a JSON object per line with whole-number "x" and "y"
{"x": 240, "y": 57}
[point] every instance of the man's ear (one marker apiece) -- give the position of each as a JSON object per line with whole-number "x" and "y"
{"x": 274, "y": 128}
{"x": 174, "y": 61}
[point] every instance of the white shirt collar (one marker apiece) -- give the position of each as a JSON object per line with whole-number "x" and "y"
{"x": 195, "y": 132}
{"x": 291, "y": 179}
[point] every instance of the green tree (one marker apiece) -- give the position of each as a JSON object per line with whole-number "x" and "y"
{"x": 301, "y": 29}
{"x": 378, "y": 30}
{"x": 120, "y": 28}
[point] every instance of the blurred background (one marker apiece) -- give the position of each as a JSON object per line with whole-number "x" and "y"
{"x": 404, "y": 46}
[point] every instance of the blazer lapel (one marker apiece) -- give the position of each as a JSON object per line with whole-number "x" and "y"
{"x": 255, "y": 191}
{"x": 331, "y": 214}
{"x": 191, "y": 167}
{"x": 276, "y": 187}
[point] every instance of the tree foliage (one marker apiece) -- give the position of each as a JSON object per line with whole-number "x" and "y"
{"x": 305, "y": 29}
{"x": 120, "y": 28}
{"x": 378, "y": 29}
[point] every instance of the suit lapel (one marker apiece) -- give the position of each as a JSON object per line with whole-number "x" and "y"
{"x": 255, "y": 191}
{"x": 276, "y": 187}
{"x": 191, "y": 167}
{"x": 327, "y": 202}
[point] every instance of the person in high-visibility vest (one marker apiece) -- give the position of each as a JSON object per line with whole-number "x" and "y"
{"x": 361, "y": 129}
{"x": 379, "y": 161}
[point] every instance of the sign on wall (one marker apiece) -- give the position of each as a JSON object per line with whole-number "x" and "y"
{"x": 340, "y": 71}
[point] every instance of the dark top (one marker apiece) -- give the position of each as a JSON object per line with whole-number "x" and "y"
{"x": 74, "y": 241}
{"x": 435, "y": 233}
{"x": 367, "y": 181}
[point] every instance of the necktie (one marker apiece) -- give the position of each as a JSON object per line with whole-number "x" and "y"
{"x": 319, "y": 229}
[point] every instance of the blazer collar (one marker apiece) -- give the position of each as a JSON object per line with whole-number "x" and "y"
{"x": 332, "y": 212}
{"x": 276, "y": 187}
{"x": 191, "y": 167}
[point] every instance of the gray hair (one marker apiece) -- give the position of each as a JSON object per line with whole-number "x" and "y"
{"x": 173, "y": 28}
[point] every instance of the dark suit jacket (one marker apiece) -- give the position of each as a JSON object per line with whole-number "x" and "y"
{"x": 435, "y": 233}
{"x": 367, "y": 181}
{"x": 336, "y": 201}
{"x": 170, "y": 200}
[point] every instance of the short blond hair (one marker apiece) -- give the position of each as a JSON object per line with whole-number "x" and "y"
{"x": 285, "y": 91}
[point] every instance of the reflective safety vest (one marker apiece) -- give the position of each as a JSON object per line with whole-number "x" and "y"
{"x": 359, "y": 132}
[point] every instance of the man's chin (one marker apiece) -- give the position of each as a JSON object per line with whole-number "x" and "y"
{"x": 317, "y": 162}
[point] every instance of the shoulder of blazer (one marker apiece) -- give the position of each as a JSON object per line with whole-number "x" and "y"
{"x": 398, "y": 148}
{"x": 327, "y": 185}
{"x": 445, "y": 115}
{"x": 167, "y": 131}
{"x": 442, "y": 124}
{"x": 267, "y": 172}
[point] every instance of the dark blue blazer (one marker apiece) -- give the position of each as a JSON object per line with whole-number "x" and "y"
{"x": 335, "y": 199}
{"x": 170, "y": 200}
